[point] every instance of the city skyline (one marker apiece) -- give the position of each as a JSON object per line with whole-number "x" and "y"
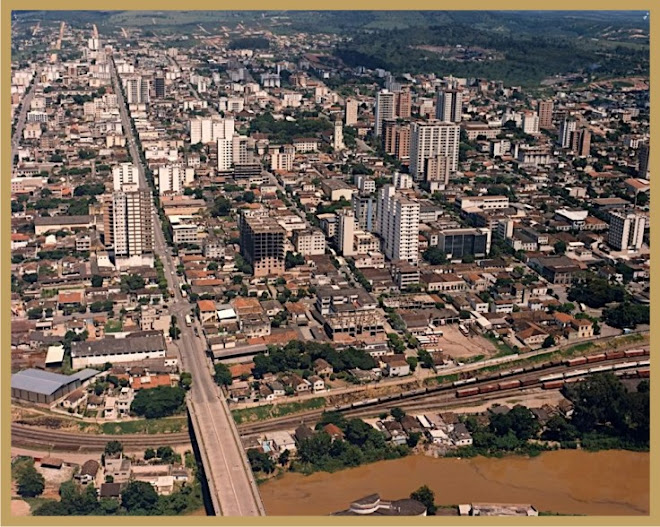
{"x": 246, "y": 245}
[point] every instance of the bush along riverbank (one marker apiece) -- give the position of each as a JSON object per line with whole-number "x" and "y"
{"x": 603, "y": 414}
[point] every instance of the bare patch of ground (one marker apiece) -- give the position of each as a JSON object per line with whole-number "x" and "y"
{"x": 458, "y": 346}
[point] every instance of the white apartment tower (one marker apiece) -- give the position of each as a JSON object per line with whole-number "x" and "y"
{"x": 125, "y": 173}
{"x": 626, "y": 231}
{"x": 242, "y": 150}
{"x": 430, "y": 139}
{"x": 173, "y": 178}
{"x": 225, "y": 154}
{"x": 210, "y": 130}
{"x": 338, "y": 138}
{"x": 399, "y": 225}
{"x": 129, "y": 218}
{"x": 385, "y": 110}
{"x": 345, "y": 232}
{"x": 530, "y": 123}
{"x": 137, "y": 90}
{"x": 351, "y": 117}
{"x": 449, "y": 106}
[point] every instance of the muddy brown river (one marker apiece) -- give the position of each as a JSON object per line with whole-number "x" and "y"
{"x": 611, "y": 482}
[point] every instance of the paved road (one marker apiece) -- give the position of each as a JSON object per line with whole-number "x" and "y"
{"x": 230, "y": 478}
{"x": 22, "y": 116}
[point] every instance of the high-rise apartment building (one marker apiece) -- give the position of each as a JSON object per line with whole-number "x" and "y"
{"x": 545, "y": 114}
{"x": 338, "y": 136}
{"x": 581, "y": 142}
{"x": 567, "y": 127}
{"x": 626, "y": 231}
{"x": 530, "y": 123}
{"x": 133, "y": 89}
{"x": 385, "y": 110}
{"x": 429, "y": 139}
{"x": 124, "y": 173}
{"x": 209, "y": 130}
{"x": 282, "y": 160}
{"x": 242, "y": 150}
{"x": 364, "y": 210}
{"x": 262, "y": 244}
{"x": 159, "y": 87}
{"x": 128, "y": 218}
{"x": 174, "y": 178}
{"x": 437, "y": 172}
{"x": 403, "y": 103}
{"x": 133, "y": 232}
{"x": 449, "y": 106}
{"x": 225, "y": 154}
{"x": 351, "y": 117}
{"x": 345, "y": 232}
{"x": 397, "y": 139}
{"x": 398, "y": 217}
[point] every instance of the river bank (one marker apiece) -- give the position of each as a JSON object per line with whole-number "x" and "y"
{"x": 610, "y": 482}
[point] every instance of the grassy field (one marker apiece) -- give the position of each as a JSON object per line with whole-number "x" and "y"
{"x": 268, "y": 411}
{"x": 143, "y": 426}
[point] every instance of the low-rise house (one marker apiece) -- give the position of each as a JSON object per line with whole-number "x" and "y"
{"x": 278, "y": 388}
{"x": 396, "y": 365}
{"x": 89, "y": 472}
{"x": 322, "y": 367}
{"x": 118, "y": 467}
{"x": 318, "y": 384}
{"x": 333, "y": 431}
{"x": 281, "y": 441}
{"x": 460, "y": 435}
{"x": 75, "y": 399}
{"x": 110, "y": 490}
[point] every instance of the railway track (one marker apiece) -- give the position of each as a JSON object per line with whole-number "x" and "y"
{"x": 444, "y": 398}
{"x": 25, "y": 435}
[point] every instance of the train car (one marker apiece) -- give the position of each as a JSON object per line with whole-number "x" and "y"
{"x": 595, "y": 358}
{"x": 508, "y": 385}
{"x": 528, "y": 382}
{"x": 644, "y": 363}
{"x": 489, "y": 388}
{"x": 634, "y": 353}
{"x": 414, "y": 393}
{"x": 614, "y": 355}
{"x": 552, "y": 377}
{"x": 644, "y": 373}
{"x": 576, "y": 373}
{"x": 465, "y": 381}
{"x": 576, "y": 361}
{"x": 624, "y": 365}
{"x": 600, "y": 369}
{"x": 466, "y": 392}
{"x": 553, "y": 385}
{"x": 646, "y": 351}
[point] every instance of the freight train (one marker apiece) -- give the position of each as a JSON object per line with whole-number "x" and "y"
{"x": 494, "y": 383}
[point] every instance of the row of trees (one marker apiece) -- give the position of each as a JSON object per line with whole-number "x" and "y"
{"x": 298, "y": 355}
{"x": 138, "y": 498}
